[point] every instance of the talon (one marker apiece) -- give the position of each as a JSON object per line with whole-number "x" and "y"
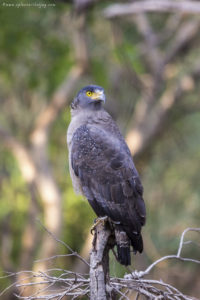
{"x": 97, "y": 221}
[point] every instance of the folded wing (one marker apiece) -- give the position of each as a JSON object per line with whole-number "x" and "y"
{"x": 109, "y": 179}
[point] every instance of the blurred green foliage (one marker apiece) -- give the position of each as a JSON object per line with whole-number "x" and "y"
{"x": 172, "y": 184}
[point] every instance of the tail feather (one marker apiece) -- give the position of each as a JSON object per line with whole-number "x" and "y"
{"x": 123, "y": 246}
{"x": 124, "y": 256}
{"x": 125, "y": 239}
{"x": 137, "y": 242}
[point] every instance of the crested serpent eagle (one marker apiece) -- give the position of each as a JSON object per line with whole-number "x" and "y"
{"x": 102, "y": 169}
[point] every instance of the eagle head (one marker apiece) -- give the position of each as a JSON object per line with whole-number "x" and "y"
{"x": 91, "y": 96}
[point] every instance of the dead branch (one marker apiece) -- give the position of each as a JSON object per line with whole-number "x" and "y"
{"x": 175, "y": 256}
{"x": 99, "y": 285}
{"x": 119, "y": 10}
{"x": 64, "y": 244}
{"x": 99, "y": 264}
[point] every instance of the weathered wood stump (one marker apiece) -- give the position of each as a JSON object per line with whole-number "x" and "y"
{"x": 99, "y": 262}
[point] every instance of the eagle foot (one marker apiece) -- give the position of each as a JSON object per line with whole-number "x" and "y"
{"x": 97, "y": 221}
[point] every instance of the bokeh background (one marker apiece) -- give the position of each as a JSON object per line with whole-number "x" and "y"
{"x": 149, "y": 65}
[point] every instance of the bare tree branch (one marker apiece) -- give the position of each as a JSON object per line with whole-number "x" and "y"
{"x": 175, "y": 256}
{"x": 74, "y": 284}
{"x": 119, "y": 10}
{"x": 99, "y": 263}
{"x": 64, "y": 244}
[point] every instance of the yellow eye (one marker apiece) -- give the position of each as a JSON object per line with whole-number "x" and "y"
{"x": 89, "y": 93}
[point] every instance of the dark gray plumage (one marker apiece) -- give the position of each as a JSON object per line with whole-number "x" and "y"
{"x": 102, "y": 169}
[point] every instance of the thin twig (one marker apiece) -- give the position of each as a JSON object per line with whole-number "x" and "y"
{"x": 64, "y": 244}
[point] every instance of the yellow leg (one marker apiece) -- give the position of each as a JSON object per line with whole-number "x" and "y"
{"x": 102, "y": 220}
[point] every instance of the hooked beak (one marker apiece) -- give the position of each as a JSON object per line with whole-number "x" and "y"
{"x": 99, "y": 95}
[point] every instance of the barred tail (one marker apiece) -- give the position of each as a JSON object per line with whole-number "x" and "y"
{"x": 123, "y": 247}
